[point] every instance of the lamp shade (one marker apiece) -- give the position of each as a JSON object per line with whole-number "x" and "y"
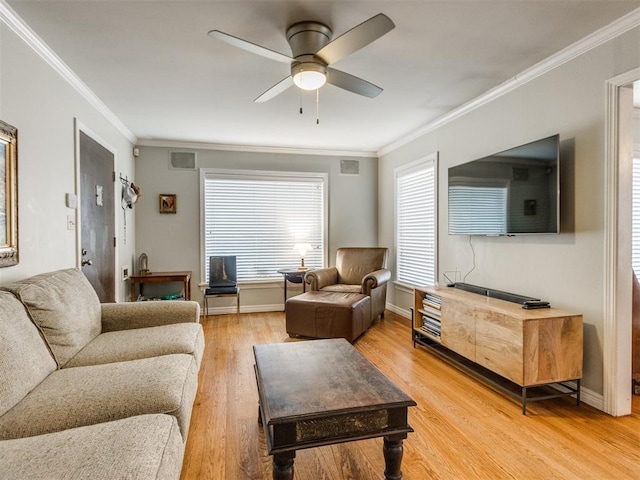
{"x": 302, "y": 248}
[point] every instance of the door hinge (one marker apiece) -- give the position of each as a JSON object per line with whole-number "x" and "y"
{"x": 114, "y": 241}
{"x": 113, "y": 177}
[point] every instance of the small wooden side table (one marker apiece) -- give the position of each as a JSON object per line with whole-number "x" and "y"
{"x": 292, "y": 275}
{"x": 161, "y": 277}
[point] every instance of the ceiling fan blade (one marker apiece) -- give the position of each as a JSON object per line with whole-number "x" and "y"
{"x": 250, "y": 47}
{"x": 352, "y": 84}
{"x": 277, "y": 89}
{"x": 356, "y": 38}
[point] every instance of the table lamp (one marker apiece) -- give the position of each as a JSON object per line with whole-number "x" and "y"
{"x": 302, "y": 249}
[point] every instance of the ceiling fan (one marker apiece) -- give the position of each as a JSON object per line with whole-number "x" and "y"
{"x": 312, "y": 53}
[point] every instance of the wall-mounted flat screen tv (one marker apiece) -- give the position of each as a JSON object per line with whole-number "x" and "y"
{"x": 514, "y": 192}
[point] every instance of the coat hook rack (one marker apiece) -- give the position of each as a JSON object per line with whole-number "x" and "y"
{"x": 124, "y": 180}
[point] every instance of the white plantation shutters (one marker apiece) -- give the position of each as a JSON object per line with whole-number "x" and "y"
{"x": 635, "y": 223}
{"x": 416, "y": 207}
{"x": 259, "y": 216}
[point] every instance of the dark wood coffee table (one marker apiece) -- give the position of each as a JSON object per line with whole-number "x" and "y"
{"x": 322, "y": 392}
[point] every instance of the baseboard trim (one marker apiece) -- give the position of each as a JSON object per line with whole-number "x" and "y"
{"x": 243, "y": 309}
{"x": 398, "y": 311}
{"x": 596, "y": 400}
{"x": 591, "y": 398}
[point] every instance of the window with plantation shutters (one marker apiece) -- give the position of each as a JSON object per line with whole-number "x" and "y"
{"x": 635, "y": 223}
{"x": 477, "y": 209}
{"x": 259, "y": 217}
{"x": 416, "y": 207}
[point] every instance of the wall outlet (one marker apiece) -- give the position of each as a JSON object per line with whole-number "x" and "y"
{"x": 71, "y": 222}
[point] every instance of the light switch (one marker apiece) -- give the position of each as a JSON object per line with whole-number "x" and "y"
{"x": 71, "y": 200}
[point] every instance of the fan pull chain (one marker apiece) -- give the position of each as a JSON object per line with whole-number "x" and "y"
{"x": 300, "y": 91}
{"x": 317, "y": 106}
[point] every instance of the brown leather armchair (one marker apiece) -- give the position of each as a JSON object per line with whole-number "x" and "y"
{"x": 358, "y": 270}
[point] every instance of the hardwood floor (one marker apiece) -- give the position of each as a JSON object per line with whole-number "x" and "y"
{"x": 463, "y": 429}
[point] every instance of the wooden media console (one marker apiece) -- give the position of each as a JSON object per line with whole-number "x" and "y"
{"x": 514, "y": 349}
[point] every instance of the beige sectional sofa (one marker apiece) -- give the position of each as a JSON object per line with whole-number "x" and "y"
{"x": 90, "y": 390}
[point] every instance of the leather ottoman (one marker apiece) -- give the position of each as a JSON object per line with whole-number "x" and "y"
{"x": 321, "y": 314}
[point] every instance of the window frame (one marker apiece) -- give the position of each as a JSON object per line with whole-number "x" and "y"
{"x": 314, "y": 177}
{"x": 428, "y": 162}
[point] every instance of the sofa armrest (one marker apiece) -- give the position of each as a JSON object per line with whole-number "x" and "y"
{"x": 375, "y": 279}
{"x": 320, "y": 278}
{"x": 128, "y": 315}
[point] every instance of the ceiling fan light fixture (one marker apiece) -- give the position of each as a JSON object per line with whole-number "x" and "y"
{"x": 312, "y": 53}
{"x": 309, "y": 75}
{"x": 309, "y": 80}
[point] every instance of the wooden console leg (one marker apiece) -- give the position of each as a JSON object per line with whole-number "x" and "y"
{"x": 283, "y": 466}
{"x": 392, "y": 450}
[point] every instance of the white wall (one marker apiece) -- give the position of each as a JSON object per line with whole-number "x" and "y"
{"x": 172, "y": 242}
{"x": 42, "y": 106}
{"x": 565, "y": 269}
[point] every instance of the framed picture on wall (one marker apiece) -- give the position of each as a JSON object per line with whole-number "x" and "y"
{"x": 167, "y": 203}
{"x": 8, "y": 195}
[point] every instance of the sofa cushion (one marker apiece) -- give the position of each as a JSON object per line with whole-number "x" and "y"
{"x": 126, "y": 345}
{"x": 130, "y": 315}
{"x": 74, "y": 397}
{"x": 144, "y": 448}
{"x": 65, "y": 307}
{"x": 25, "y": 360}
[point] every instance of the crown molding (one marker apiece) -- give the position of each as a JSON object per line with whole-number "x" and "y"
{"x": 253, "y": 149}
{"x": 595, "y": 39}
{"x": 605, "y": 34}
{"x": 29, "y": 37}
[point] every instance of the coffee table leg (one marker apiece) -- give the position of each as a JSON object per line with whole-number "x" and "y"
{"x": 392, "y": 450}
{"x": 283, "y": 466}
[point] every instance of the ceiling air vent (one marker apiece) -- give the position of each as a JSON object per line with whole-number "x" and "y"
{"x": 349, "y": 167}
{"x": 182, "y": 161}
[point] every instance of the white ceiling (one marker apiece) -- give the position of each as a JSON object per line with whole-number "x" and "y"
{"x": 154, "y": 66}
